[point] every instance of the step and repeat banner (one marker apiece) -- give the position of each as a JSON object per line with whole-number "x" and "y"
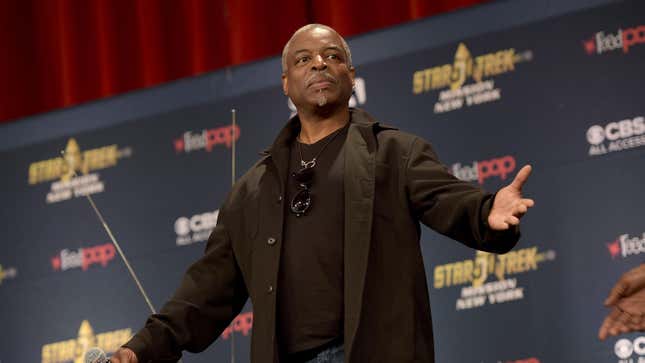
{"x": 565, "y": 95}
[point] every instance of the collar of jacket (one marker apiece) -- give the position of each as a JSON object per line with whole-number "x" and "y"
{"x": 362, "y": 124}
{"x": 289, "y": 132}
{"x": 359, "y": 183}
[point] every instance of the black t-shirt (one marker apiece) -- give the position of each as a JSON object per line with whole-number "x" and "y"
{"x": 310, "y": 297}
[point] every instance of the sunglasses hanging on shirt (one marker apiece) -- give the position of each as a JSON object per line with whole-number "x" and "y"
{"x": 302, "y": 201}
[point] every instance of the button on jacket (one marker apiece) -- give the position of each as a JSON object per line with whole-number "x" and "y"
{"x": 392, "y": 182}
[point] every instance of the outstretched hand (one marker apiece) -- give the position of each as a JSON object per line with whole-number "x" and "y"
{"x": 509, "y": 206}
{"x": 627, "y": 303}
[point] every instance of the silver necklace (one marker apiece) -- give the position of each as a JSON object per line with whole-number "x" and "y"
{"x": 311, "y": 163}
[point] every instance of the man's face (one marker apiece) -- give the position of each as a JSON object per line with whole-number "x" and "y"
{"x": 317, "y": 74}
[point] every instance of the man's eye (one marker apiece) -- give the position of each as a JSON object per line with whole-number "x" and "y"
{"x": 302, "y": 60}
{"x": 333, "y": 56}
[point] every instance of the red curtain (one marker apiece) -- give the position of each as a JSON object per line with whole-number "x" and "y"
{"x": 58, "y": 53}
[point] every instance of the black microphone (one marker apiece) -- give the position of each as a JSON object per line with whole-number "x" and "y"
{"x": 96, "y": 355}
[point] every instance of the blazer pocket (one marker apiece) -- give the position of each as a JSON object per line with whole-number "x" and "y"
{"x": 251, "y": 217}
{"x": 383, "y": 191}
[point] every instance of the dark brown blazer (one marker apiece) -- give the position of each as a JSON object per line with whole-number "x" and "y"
{"x": 393, "y": 181}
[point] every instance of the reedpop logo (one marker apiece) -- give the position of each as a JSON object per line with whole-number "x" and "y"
{"x": 481, "y": 170}
{"x": 623, "y": 39}
{"x": 207, "y": 139}
{"x": 83, "y": 257}
{"x": 626, "y": 246}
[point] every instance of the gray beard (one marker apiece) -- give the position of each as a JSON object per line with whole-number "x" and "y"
{"x": 322, "y": 99}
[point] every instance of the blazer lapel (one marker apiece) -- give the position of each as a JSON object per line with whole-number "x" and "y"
{"x": 278, "y": 152}
{"x": 359, "y": 180}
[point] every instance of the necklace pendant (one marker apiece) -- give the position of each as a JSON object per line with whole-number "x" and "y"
{"x": 308, "y": 164}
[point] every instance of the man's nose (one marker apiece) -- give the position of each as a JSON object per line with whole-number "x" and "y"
{"x": 318, "y": 62}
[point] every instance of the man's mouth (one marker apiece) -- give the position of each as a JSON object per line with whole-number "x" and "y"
{"x": 321, "y": 81}
{"x": 320, "y": 84}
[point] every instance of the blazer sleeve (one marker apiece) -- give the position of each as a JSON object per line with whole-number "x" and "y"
{"x": 450, "y": 206}
{"x": 211, "y": 294}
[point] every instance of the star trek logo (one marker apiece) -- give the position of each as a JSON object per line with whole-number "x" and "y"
{"x": 477, "y": 272}
{"x": 7, "y": 273}
{"x": 73, "y": 350}
{"x": 625, "y": 246}
{"x": 206, "y": 139}
{"x": 74, "y": 170}
{"x": 624, "y": 39}
{"x": 454, "y": 76}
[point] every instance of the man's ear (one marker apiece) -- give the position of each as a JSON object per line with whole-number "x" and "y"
{"x": 285, "y": 84}
{"x": 352, "y": 74}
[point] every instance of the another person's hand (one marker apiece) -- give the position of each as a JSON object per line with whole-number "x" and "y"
{"x": 627, "y": 299}
{"x": 509, "y": 206}
{"x": 124, "y": 355}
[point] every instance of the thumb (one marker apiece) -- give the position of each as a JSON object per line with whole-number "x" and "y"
{"x": 521, "y": 177}
{"x": 618, "y": 291}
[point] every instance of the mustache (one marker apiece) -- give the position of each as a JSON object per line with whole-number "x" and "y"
{"x": 319, "y": 76}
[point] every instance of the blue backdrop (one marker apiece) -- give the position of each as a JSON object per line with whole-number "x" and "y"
{"x": 560, "y": 93}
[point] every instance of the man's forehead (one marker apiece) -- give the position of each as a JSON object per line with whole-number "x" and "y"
{"x": 315, "y": 38}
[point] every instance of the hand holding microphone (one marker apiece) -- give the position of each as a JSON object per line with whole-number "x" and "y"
{"x": 123, "y": 355}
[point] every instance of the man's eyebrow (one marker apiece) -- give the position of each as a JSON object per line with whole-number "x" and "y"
{"x": 331, "y": 47}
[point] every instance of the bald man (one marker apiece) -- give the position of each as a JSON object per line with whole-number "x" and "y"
{"x": 322, "y": 233}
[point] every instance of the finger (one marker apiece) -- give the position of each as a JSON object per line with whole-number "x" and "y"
{"x": 604, "y": 329}
{"x": 614, "y": 330}
{"x": 527, "y": 202}
{"x": 499, "y": 225}
{"x": 617, "y": 292}
{"x": 521, "y": 177}
{"x": 624, "y": 328}
{"x": 521, "y": 209}
{"x": 512, "y": 220}
{"x": 616, "y": 322}
{"x": 610, "y": 327}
